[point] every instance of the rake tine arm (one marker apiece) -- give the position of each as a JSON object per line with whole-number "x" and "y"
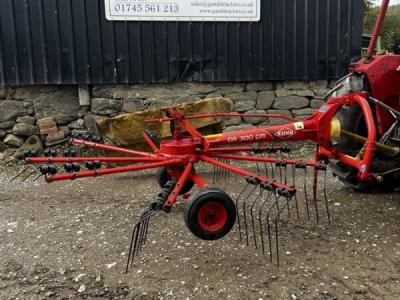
{"x": 40, "y": 160}
{"x": 111, "y": 148}
{"x": 108, "y": 171}
{"x": 229, "y": 115}
{"x": 242, "y": 172}
{"x": 249, "y": 149}
{"x": 200, "y": 182}
{"x": 223, "y": 115}
{"x": 261, "y": 159}
{"x": 150, "y": 142}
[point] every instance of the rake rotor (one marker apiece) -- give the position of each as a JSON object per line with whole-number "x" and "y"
{"x": 271, "y": 193}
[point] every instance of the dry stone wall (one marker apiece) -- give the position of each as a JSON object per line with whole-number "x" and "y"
{"x": 22, "y": 107}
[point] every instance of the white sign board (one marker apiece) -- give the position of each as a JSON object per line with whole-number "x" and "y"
{"x": 183, "y": 10}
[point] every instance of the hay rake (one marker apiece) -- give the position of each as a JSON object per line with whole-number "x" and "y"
{"x": 361, "y": 113}
{"x": 268, "y": 193}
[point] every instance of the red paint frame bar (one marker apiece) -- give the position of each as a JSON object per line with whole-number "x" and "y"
{"x": 178, "y": 187}
{"x": 109, "y": 171}
{"x": 378, "y": 28}
{"x": 224, "y": 115}
{"x": 111, "y": 148}
{"x": 263, "y": 159}
{"x": 245, "y": 173}
{"x": 244, "y": 149}
{"x": 43, "y": 160}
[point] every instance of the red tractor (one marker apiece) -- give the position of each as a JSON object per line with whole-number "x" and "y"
{"x": 357, "y": 132}
{"x": 378, "y": 77}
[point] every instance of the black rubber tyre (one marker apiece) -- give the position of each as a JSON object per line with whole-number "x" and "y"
{"x": 210, "y": 214}
{"x": 163, "y": 177}
{"x": 352, "y": 120}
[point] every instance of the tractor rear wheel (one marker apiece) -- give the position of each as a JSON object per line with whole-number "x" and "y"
{"x": 210, "y": 214}
{"x": 352, "y": 120}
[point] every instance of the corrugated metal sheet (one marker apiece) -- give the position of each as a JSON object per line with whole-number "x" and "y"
{"x": 70, "y": 41}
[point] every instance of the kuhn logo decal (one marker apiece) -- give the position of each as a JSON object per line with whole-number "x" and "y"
{"x": 284, "y": 133}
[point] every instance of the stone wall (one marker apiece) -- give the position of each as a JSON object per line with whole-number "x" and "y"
{"x": 76, "y": 109}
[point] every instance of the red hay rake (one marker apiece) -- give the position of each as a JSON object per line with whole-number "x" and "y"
{"x": 270, "y": 192}
{"x": 259, "y": 207}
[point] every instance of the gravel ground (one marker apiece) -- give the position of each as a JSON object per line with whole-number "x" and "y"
{"x": 70, "y": 240}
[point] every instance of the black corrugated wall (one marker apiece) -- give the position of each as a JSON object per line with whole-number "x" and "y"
{"x": 70, "y": 41}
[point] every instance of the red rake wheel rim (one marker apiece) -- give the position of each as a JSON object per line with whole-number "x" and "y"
{"x": 212, "y": 216}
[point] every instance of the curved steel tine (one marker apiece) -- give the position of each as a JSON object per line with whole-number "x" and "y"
{"x": 245, "y": 215}
{"x": 277, "y": 242}
{"x": 137, "y": 235}
{"x": 326, "y": 199}
{"x": 305, "y": 194}
{"x": 143, "y": 231}
{"x": 226, "y": 170}
{"x": 146, "y": 231}
{"x": 286, "y": 182}
{"x": 285, "y": 172}
{"x": 218, "y": 171}
{"x": 280, "y": 173}
{"x": 139, "y": 244}
{"x": 29, "y": 175}
{"x": 265, "y": 165}
{"x": 133, "y": 245}
{"x": 279, "y": 212}
{"x": 272, "y": 171}
{"x": 252, "y": 216}
{"x": 258, "y": 169}
{"x": 260, "y": 220}
{"x": 37, "y": 177}
{"x": 20, "y": 173}
{"x": 274, "y": 205}
{"x": 214, "y": 169}
{"x": 237, "y": 209}
{"x": 266, "y": 170}
{"x": 221, "y": 170}
{"x": 295, "y": 195}
{"x": 315, "y": 183}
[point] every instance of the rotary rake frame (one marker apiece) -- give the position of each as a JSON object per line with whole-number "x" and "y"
{"x": 266, "y": 196}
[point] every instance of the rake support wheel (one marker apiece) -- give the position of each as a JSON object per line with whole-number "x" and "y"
{"x": 210, "y": 214}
